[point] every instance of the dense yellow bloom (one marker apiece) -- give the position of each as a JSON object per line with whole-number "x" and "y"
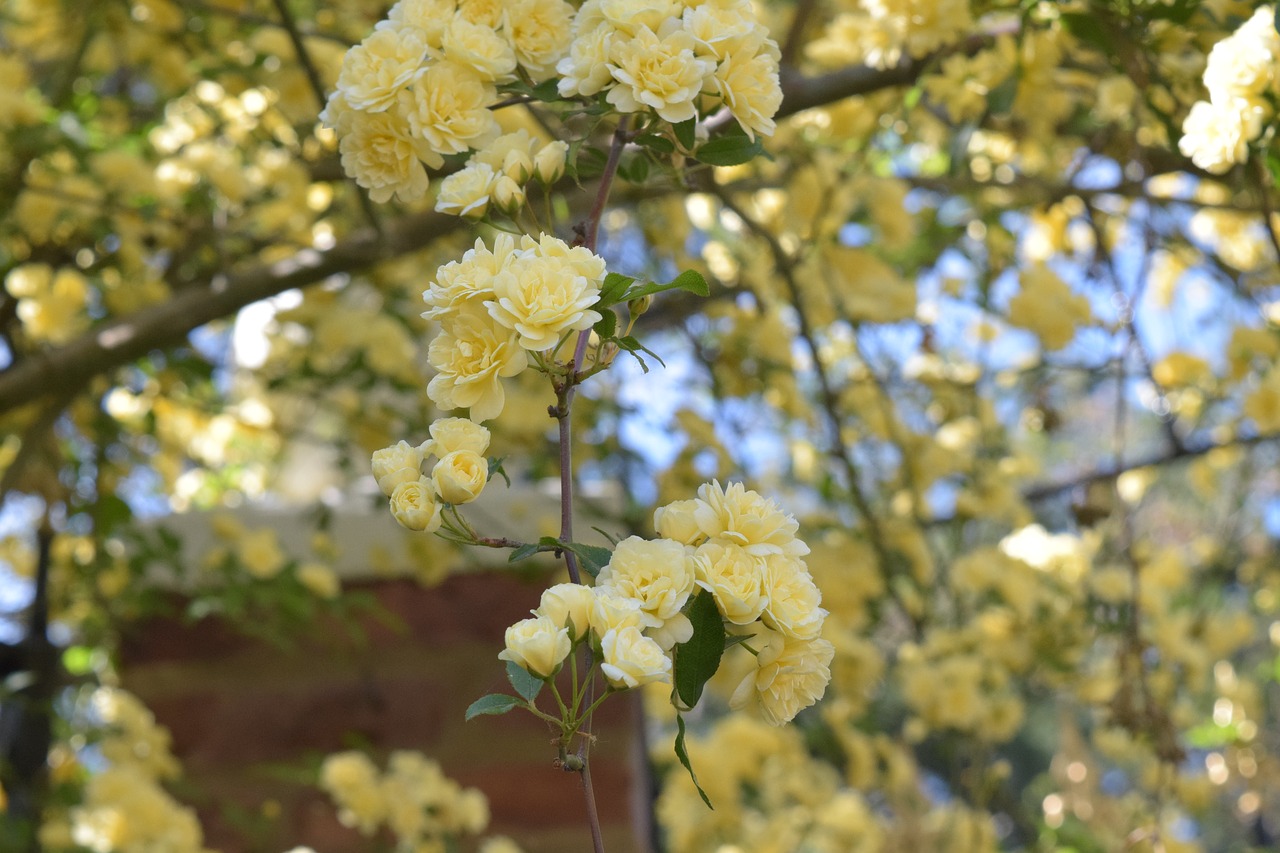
{"x": 1047, "y": 307}
{"x": 51, "y": 304}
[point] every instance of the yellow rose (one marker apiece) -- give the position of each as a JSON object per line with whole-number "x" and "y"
{"x": 790, "y": 675}
{"x": 383, "y": 155}
{"x": 538, "y": 645}
{"x": 548, "y": 163}
{"x": 414, "y": 505}
{"x": 735, "y": 579}
{"x": 260, "y": 553}
{"x": 468, "y": 280}
{"x": 745, "y": 517}
{"x": 511, "y": 154}
{"x": 480, "y": 49}
{"x": 471, "y": 355}
{"x": 543, "y": 293}
{"x": 540, "y": 31}
{"x": 507, "y": 195}
{"x": 585, "y": 71}
{"x": 429, "y": 16}
{"x": 451, "y": 434}
{"x": 460, "y": 476}
{"x": 662, "y": 74}
{"x": 631, "y": 659}
{"x": 568, "y": 605}
{"x": 319, "y": 579}
{"x": 397, "y": 464}
{"x": 749, "y": 87}
{"x": 610, "y": 612}
{"x": 467, "y": 192}
{"x": 676, "y": 521}
{"x": 793, "y": 599}
{"x": 374, "y": 71}
{"x": 656, "y": 573}
{"x": 448, "y": 108}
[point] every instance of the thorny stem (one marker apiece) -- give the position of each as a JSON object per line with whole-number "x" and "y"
{"x": 588, "y": 235}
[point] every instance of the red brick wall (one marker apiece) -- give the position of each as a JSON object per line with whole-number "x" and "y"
{"x": 248, "y": 718}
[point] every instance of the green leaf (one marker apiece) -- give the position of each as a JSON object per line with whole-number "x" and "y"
{"x": 683, "y": 755}
{"x": 78, "y": 660}
{"x": 548, "y": 90}
{"x": 729, "y": 151}
{"x": 658, "y": 143}
{"x": 590, "y": 163}
{"x": 110, "y": 512}
{"x": 607, "y": 325}
{"x": 522, "y": 553}
{"x": 692, "y": 281}
{"x": 697, "y": 660}
{"x": 689, "y": 280}
{"x": 492, "y": 705}
{"x": 631, "y": 345}
{"x": 495, "y": 467}
{"x": 1089, "y": 29}
{"x": 685, "y": 133}
{"x": 612, "y": 291}
{"x": 1000, "y": 98}
{"x": 593, "y": 557}
{"x": 525, "y": 683}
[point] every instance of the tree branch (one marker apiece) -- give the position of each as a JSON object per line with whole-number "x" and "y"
{"x": 122, "y": 340}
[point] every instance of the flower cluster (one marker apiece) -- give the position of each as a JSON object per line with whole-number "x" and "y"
{"x": 1240, "y": 73}
{"x": 51, "y": 304}
{"x": 732, "y": 542}
{"x": 458, "y": 476}
{"x": 125, "y": 809}
{"x": 747, "y": 556}
{"x": 420, "y": 87}
{"x": 423, "y": 808}
{"x": 496, "y": 306}
{"x": 664, "y": 56}
{"x": 497, "y": 174}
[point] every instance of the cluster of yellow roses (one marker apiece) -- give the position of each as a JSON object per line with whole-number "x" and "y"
{"x": 732, "y": 542}
{"x": 125, "y": 808}
{"x": 421, "y": 85}
{"x": 497, "y": 305}
{"x": 51, "y": 304}
{"x": 666, "y": 55}
{"x": 423, "y": 808}
{"x": 458, "y": 476}
{"x": 1240, "y": 73}
{"x": 498, "y": 174}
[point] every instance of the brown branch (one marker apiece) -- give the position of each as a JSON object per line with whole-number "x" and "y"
{"x": 120, "y": 341}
